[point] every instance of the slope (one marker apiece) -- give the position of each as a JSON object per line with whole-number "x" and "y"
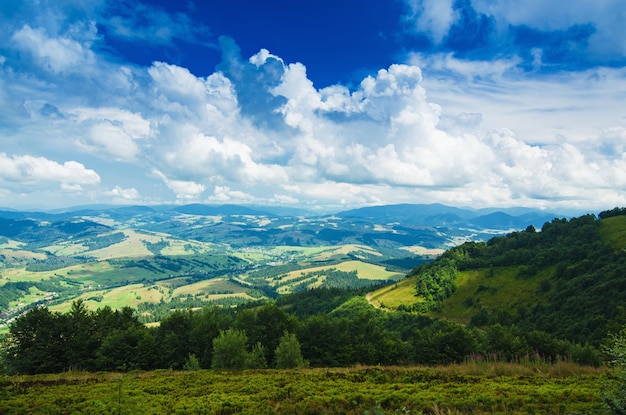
{"x": 567, "y": 280}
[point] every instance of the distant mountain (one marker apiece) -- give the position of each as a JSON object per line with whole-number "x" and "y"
{"x": 428, "y": 225}
{"x": 215, "y": 210}
{"x": 442, "y": 215}
{"x": 33, "y": 231}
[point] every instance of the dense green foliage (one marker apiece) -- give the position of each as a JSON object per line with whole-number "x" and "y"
{"x": 474, "y": 388}
{"x": 582, "y": 298}
{"x": 353, "y": 333}
{"x": 614, "y": 392}
{"x": 288, "y": 353}
{"x": 229, "y": 350}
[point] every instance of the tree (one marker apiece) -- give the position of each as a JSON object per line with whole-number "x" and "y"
{"x": 174, "y": 338}
{"x": 35, "y": 343}
{"x": 229, "y": 350}
{"x": 288, "y": 354}
{"x": 256, "y": 357}
{"x": 614, "y": 394}
{"x": 265, "y": 324}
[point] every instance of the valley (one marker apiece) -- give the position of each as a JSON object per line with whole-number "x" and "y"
{"x": 220, "y": 255}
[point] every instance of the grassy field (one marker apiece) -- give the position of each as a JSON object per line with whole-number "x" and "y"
{"x": 133, "y": 294}
{"x": 128, "y": 295}
{"x": 314, "y": 276}
{"x": 363, "y": 269}
{"x": 391, "y": 296}
{"x": 471, "y": 388}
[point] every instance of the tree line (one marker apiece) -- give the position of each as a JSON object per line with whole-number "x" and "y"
{"x": 262, "y": 335}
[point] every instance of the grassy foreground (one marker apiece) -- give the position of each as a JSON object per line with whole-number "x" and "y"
{"x": 471, "y": 388}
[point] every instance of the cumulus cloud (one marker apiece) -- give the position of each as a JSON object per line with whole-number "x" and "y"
{"x": 32, "y": 171}
{"x": 120, "y": 194}
{"x": 111, "y": 131}
{"x": 57, "y": 54}
{"x": 224, "y": 194}
{"x": 185, "y": 190}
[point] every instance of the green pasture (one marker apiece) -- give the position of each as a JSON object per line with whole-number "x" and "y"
{"x": 20, "y": 274}
{"x": 129, "y": 295}
{"x": 364, "y": 271}
{"x": 132, "y": 246}
{"x": 134, "y": 294}
{"x": 205, "y": 288}
{"x": 368, "y": 271}
{"x": 392, "y": 295}
{"x": 66, "y": 249}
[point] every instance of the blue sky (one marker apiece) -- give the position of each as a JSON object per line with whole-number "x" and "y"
{"x": 323, "y": 105}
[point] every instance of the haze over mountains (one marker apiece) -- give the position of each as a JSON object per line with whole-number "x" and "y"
{"x": 430, "y": 226}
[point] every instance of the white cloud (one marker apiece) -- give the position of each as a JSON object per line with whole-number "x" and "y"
{"x": 60, "y": 54}
{"x": 185, "y": 190}
{"x": 36, "y": 171}
{"x": 111, "y": 132}
{"x": 606, "y": 16}
{"x": 436, "y": 129}
{"x": 120, "y": 194}
{"x": 136, "y": 21}
{"x": 224, "y": 194}
{"x": 434, "y": 17}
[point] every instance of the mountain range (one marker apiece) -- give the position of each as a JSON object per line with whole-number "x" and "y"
{"x": 426, "y": 225}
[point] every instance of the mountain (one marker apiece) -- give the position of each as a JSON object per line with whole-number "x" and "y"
{"x": 216, "y": 210}
{"x": 442, "y": 215}
{"x": 431, "y": 226}
{"x": 42, "y": 233}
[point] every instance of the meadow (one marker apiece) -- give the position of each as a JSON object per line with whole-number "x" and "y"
{"x": 476, "y": 387}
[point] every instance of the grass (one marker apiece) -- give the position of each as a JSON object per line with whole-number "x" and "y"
{"x": 116, "y": 298}
{"x": 66, "y": 248}
{"x": 368, "y": 271}
{"x": 391, "y": 296}
{"x": 614, "y": 230}
{"x": 133, "y": 294}
{"x": 132, "y": 246}
{"x": 498, "y": 288}
{"x": 364, "y": 271}
{"x": 475, "y": 388}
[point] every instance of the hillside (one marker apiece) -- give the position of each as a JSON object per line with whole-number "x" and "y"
{"x": 91, "y": 252}
{"x": 566, "y": 280}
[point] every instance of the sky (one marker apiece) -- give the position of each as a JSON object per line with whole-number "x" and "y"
{"x": 325, "y": 105}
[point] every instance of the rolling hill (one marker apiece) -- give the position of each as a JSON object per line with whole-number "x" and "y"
{"x": 90, "y": 251}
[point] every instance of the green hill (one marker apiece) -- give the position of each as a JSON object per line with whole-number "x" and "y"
{"x": 566, "y": 280}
